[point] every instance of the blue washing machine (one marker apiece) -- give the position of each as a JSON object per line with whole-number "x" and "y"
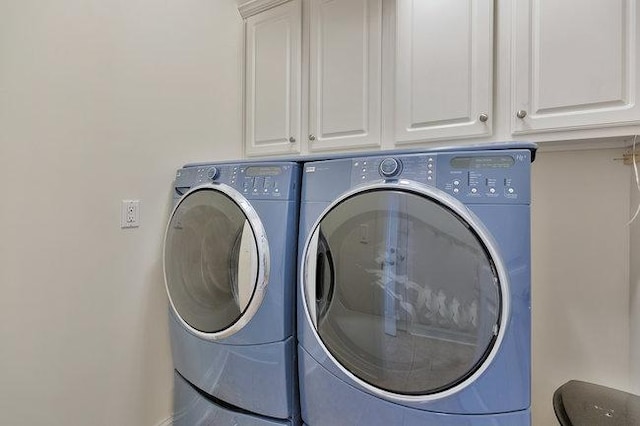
{"x": 230, "y": 272}
{"x": 414, "y": 289}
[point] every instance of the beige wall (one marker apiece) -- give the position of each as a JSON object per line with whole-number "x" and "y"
{"x": 580, "y": 255}
{"x": 100, "y": 101}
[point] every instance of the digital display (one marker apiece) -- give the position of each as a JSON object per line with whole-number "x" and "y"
{"x": 484, "y": 162}
{"x": 262, "y": 171}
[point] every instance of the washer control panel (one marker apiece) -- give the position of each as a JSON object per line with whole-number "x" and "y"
{"x": 485, "y": 177}
{"x": 254, "y": 181}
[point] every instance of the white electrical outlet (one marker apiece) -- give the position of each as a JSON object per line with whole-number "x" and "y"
{"x": 130, "y": 214}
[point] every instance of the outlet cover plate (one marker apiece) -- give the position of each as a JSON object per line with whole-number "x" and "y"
{"x": 130, "y": 214}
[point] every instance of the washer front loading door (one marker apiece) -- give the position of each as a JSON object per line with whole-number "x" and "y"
{"x": 216, "y": 261}
{"x": 405, "y": 290}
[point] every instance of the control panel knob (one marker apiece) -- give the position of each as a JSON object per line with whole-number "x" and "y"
{"x": 389, "y": 167}
{"x": 212, "y": 173}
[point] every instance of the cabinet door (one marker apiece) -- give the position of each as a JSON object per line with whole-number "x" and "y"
{"x": 345, "y": 71}
{"x": 444, "y": 80}
{"x": 574, "y": 64}
{"x": 272, "y": 80}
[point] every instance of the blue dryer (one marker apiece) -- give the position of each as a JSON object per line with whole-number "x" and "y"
{"x": 229, "y": 264}
{"x": 414, "y": 289}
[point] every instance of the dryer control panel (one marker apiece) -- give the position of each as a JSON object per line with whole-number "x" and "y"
{"x": 254, "y": 181}
{"x": 477, "y": 177}
{"x": 486, "y": 177}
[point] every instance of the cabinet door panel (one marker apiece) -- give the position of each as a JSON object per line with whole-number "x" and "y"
{"x": 443, "y": 69}
{"x": 272, "y": 81}
{"x": 574, "y": 64}
{"x": 344, "y": 83}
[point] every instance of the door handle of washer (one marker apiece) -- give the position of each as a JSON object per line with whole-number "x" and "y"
{"x": 247, "y": 267}
{"x": 318, "y": 293}
{"x": 320, "y": 257}
{"x": 324, "y": 290}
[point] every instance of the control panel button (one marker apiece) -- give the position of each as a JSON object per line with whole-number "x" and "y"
{"x": 456, "y": 190}
{"x": 212, "y": 173}
{"x": 492, "y": 190}
{"x": 389, "y": 167}
{"x": 511, "y": 190}
{"x": 474, "y": 190}
{"x": 456, "y": 182}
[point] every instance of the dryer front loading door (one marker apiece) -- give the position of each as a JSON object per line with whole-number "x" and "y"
{"x": 403, "y": 290}
{"x": 215, "y": 261}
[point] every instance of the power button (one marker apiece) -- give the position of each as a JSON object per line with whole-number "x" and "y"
{"x": 212, "y": 173}
{"x": 389, "y": 167}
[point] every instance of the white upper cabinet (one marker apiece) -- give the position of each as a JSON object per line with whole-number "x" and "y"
{"x": 574, "y": 64}
{"x": 331, "y": 75}
{"x": 344, "y": 74}
{"x": 444, "y": 77}
{"x": 272, "y": 80}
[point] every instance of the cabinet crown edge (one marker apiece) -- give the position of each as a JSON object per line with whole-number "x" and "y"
{"x": 249, "y": 8}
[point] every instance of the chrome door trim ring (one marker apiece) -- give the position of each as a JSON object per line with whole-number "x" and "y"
{"x": 485, "y": 237}
{"x": 262, "y": 245}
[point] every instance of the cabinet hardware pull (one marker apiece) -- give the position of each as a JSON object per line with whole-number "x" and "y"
{"x": 312, "y": 138}
{"x": 483, "y": 117}
{"x": 521, "y": 113}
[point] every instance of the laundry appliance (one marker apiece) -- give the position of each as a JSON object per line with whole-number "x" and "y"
{"x": 414, "y": 289}
{"x": 229, "y": 264}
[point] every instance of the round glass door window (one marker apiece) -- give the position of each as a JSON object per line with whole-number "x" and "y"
{"x": 212, "y": 261}
{"x": 402, "y": 291}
